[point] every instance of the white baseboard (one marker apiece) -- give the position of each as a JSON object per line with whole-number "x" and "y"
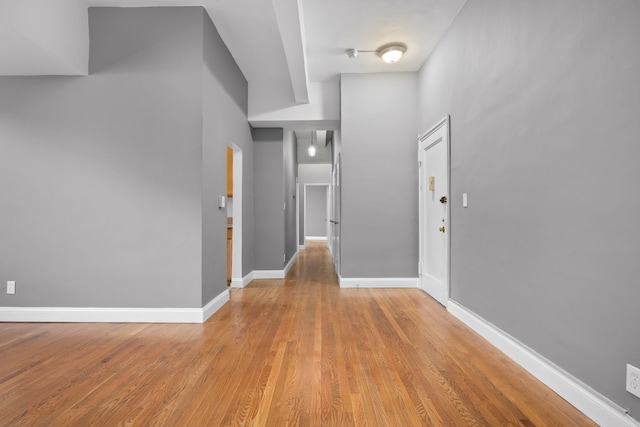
{"x": 300, "y": 247}
{"x": 287, "y": 267}
{"x": 404, "y": 282}
{"x": 241, "y": 283}
{"x": 215, "y": 305}
{"x": 316, "y": 238}
{"x": 268, "y": 274}
{"x": 113, "y": 314}
{"x": 275, "y": 274}
{"x": 237, "y": 283}
{"x": 597, "y": 407}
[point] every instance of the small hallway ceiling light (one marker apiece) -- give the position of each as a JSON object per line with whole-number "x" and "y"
{"x": 392, "y": 52}
{"x": 312, "y": 147}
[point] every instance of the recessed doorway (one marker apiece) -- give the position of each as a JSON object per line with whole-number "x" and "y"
{"x": 234, "y": 216}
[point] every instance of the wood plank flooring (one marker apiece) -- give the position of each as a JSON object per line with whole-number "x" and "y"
{"x": 294, "y": 352}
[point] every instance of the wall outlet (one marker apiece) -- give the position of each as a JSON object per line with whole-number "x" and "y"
{"x": 11, "y": 287}
{"x": 633, "y": 380}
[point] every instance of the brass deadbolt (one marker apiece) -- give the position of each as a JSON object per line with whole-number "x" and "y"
{"x": 441, "y": 229}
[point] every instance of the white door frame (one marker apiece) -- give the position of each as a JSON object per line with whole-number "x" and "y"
{"x": 297, "y": 215}
{"x": 327, "y": 215}
{"x": 236, "y": 237}
{"x": 336, "y": 201}
{"x": 442, "y": 124}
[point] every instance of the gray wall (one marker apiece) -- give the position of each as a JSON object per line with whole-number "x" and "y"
{"x": 310, "y": 174}
{"x": 290, "y": 160}
{"x": 100, "y": 176}
{"x": 336, "y": 146}
{"x": 544, "y": 102}
{"x": 316, "y": 217}
{"x": 224, "y": 113}
{"x": 379, "y": 175}
{"x": 268, "y": 175}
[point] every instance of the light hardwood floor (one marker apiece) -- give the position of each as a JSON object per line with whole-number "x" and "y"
{"x": 299, "y": 351}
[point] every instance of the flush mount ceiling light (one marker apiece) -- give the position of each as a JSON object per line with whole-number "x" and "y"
{"x": 312, "y": 147}
{"x": 390, "y": 53}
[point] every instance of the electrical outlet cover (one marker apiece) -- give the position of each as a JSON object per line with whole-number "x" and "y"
{"x": 633, "y": 380}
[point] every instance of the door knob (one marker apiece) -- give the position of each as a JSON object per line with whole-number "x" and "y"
{"x": 441, "y": 229}
{"x": 443, "y": 199}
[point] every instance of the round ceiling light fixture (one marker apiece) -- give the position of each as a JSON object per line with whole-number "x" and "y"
{"x": 312, "y": 147}
{"x": 391, "y": 52}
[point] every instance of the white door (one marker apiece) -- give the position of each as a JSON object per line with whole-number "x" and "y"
{"x": 434, "y": 211}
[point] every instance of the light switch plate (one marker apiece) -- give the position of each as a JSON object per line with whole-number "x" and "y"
{"x": 465, "y": 200}
{"x": 11, "y": 287}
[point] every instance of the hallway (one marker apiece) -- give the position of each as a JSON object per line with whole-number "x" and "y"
{"x": 299, "y": 351}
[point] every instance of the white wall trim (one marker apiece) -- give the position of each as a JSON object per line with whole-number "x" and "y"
{"x": 275, "y": 274}
{"x": 113, "y": 314}
{"x": 597, "y": 407}
{"x": 237, "y": 283}
{"x": 215, "y": 305}
{"x": 323, "y": 238}
{"x": 268, "y": 274}
{"x": 248, "y": 279}
{"x": 287, "y": 267}
{"x": 241, "y": 283}
{"x": 301, "y": 247}
{"x": 404, "y": 282}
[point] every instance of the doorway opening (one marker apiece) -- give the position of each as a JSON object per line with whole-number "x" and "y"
{"x": 318, "y": 154}
{"x": 316, "y": 211}
{"x": 234, "y": 216}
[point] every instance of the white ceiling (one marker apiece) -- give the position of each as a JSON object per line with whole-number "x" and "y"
{"x": 39, "y": 37}
{"x": 276, "y": 43}
{"x": 333, "y": 26}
